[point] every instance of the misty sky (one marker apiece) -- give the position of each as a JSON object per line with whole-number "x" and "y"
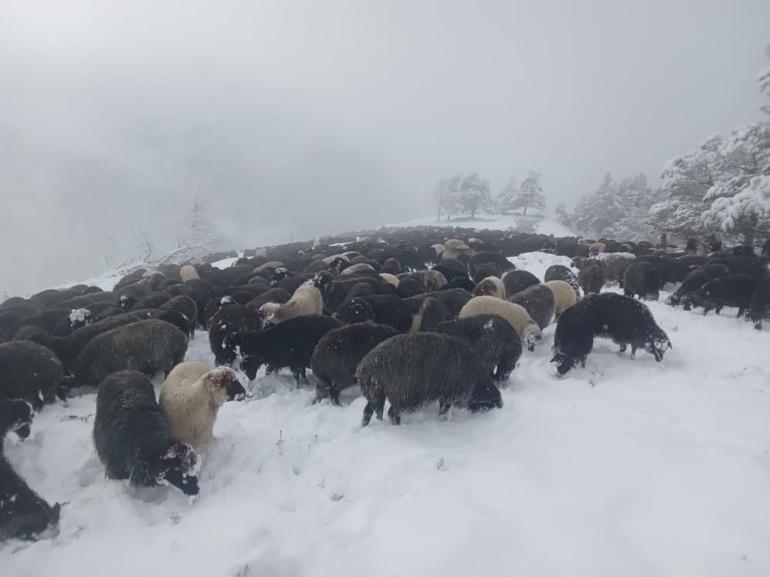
{"x": 298, "y": 118}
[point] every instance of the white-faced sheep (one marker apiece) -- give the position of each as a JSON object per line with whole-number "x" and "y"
{"x": 306, "y": 300}
{"x": 191, "y": 397}
{"x": 416, "y": 369}
{"x": 516, "y": 315}
{"x": 490, "y": 286}
{"x": 133, "y": 439}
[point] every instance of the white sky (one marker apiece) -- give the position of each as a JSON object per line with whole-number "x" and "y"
{"x": 313, "y": 117}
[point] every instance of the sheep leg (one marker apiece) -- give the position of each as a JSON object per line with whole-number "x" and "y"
{"x": 335, "y": 396}
{"x": 443, "y": 408}
{"x": 321, "y": 391}
{"x": 633, "y": 351}
{"x": 379, "y": 405}
{"x": 623, "y": 348}
{"x": 296, "y": 372}
{"x": 740, "y": 312}
{"x": 303, "y": 372}
{"x": 718, "y": 309}
{"x": 368, "y": 412}
{"x": 394, "y": 415}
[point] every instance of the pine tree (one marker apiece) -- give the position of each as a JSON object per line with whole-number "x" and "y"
{"x": 530, "y": 195}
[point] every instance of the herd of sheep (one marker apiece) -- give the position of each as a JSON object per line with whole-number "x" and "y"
{"x": 412, "y": 316}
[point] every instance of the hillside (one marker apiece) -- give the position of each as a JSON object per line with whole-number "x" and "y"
{"x": 628, "y": 467}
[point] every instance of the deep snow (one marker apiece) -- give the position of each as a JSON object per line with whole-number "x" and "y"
{"x": 628, "y": 467}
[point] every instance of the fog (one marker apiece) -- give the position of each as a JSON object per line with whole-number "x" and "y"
{"x": 299, "y": 118}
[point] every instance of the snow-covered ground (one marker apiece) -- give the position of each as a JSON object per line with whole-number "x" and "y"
{"x": 624, "y": 468}
{"x": 491, "y": 222}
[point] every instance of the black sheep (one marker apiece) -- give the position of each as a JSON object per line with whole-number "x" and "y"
{"x": 760, "y": 302}
{"x": 391, "y": 265}
{"x": 338, "y": 353}
{"x": 694, "y": 280}
{"x": 413, "y": 370}
{"x": 382, "y": 309}
{"x": 335, "y": 292}
{"x": 228, "y": 320}
{"x": 729, "y": 291}
{"x": 149, "y": 346}
{"x": 23, "y": 513}
{"x": 67, "y": 348}
{"x": 623, "y": 319}
{"x": 641, "y": 279}
{"x": 185, "y": 306}
{"x": 461, "y": 283}
{"x": 561, "y": 272}
{"x": 453, "y": 299}
{"x": 517, "y": 280}
{"x": 591, "y": 276}
{"x": 481, "y": 258}
{"x": 496, "y": 342}
{"x": 132, "y": 436}
{"x": 152, "y": 301}
{"x": 287, "y": 344}
{"x": 538, "y": 300}
{"x": 451, "y": 270}
{"x": 29, "y": 371}
{"x": 486, "y": 270}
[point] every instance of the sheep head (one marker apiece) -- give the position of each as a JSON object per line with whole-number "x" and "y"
{"x": 178, "y": 465}
{"x": 224, "y": 385}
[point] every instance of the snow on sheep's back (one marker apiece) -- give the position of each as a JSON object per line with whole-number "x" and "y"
{"x": 627, "y": 467}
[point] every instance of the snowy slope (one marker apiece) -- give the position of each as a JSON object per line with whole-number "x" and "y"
{"x": 490, "y": 222}
{"x": 628, "y": 467}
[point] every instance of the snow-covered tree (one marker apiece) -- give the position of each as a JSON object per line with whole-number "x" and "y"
{"x": 563, "y": 215}
{"x": 462, "y": 194}
{"x": 447, "y": 196}
{"x": 616, "y": 210}
{"x": 474, "y": 194}
{"x": 737, "y": 198}
{"x": 197, "y": 235}
{"x": 683, "y": 185}
{"x": 721, "y": 186}
{"x": 530, "y": 194}
{"x": 505, "y": 198}
{"x": 764, "y": 83}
